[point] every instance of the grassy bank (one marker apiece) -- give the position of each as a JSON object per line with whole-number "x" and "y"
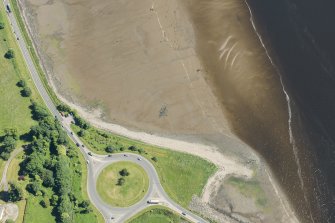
{"x": 156, "y": 214}
{"x": 131, "y": 191}
{"x": 16, "y": 114}
{"x": 182, "y": 175}
{"x": 32, "y": 51}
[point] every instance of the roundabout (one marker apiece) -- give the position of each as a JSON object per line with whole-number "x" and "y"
{"x": 122, "y": 184}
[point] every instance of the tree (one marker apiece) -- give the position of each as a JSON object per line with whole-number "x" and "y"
{"x": 81, "y": 133}
{"x": 121, "y": 181}
{"x": 154, "y": 158}
{"x": 132, "y": 148}
{"x": 15, "y": 193}
{"x": 26, "y": 92}
{"x": 21, "y": 83}
{"x": 5, "y": 155}
{"x": 65, "y": 209}
{"x": 109, "y": 149}
{"x": 48, "y": 178}
{"x": 10, "y": 221}
{"x": 34, "y": 188}
{"x": 9, "y": 54}
{"x": 39, "y": 112}
{"x": 2, "y": 25}
{"x": 124, "y": 172}
{"x": 45, "y": 203}
{"x": 54, "y": 200}
{"x": 9, "y": 142}
{"x": 85, "y": 204}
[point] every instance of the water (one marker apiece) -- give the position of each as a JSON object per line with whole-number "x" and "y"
{"x": 301, "y": 37}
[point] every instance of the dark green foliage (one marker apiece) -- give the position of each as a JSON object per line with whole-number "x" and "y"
{"x": 132, "y": 148}
{"x": 34, "y": 188}
{"x": 65, "y": 209}
{"x": 8, "y": 143}
{"x": 38, "y": 111}
{"x": 109, "y": 149}
{"x": 9, "y": 54}
{"x": 2, "y": 25}
{"x": 15, "y": 193}
{"x": 64, "y": 108}
{"x": 10, "y": 221}
{"x": 85, "y": 204}
{"x": 26, "y": 92}
{"x": 45, "y": 203}
{"x": 121, "y": 181}
{"x": 21, "y": 83}
{"x": 81, "y": 133}
{"x": 48, "y": 178}
{"x": 81, "y": 122}
{"x": 63, "y": 175}
{"x": 54, "y": 200}
{"x": 5, "y": 155}
{"x": 124, "y": 172}
{"x": 154, "y": 158}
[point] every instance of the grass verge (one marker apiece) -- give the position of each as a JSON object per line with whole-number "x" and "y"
{"x": 133, "y": 189}
{"x": 32, "y": 51}
{"x": 182, "y": 175}
{"x": 156, "y": 214}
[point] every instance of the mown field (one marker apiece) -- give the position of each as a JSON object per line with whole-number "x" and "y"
{"x": 133, "y": 189}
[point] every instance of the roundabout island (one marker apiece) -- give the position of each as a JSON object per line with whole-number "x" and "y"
{"x": 122, "y": 184}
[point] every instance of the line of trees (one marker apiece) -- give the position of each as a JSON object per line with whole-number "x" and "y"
{"x": 48, "y": 165}
{"x": 9, "y": 142}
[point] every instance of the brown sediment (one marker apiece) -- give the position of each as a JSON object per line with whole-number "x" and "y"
{"x": 138, "y": 59}
{"x": 249, "y": 89}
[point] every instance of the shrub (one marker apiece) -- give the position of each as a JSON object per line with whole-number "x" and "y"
{"x": 10, "y": 221}
{"x": 26, "y": 92}
{"x": 21, "y": 83}
{"x": 154, "y": 158}
{"x": 109, "y": 149}
{"x": 81, "y": 133}
{"x": 2, "y": 25}
{"x": 121, "y": 181}
{"x": 9, "y": 54}
{"x": 34, "y": 188}
{"x": 124, "y": 172}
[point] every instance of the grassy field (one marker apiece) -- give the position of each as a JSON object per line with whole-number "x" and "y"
{"x": 14, "y": 109}
{"x": 182, "y": 175}
{"x": 133, "y": 190}
{"x": 157, "y": 214}
{"x": 249, "y": 188}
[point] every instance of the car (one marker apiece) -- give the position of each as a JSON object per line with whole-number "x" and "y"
{"x": 71, "y": 133}
{"x": 183, "y": 213}
{"x": 82, "y": 146}
{"x": 139, "y": 159}
{"x": 112, "y": 217}
{"x": 125, "y": 155}
{"x": 18, "y": 38}
{"x": 77, "y": 144}
{"x": 89, "y": 153}
{"x": 87, "y": 161}
{"x": 109, "y": 155}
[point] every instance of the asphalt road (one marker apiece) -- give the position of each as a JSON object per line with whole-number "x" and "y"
{"x": 97, "y": 162}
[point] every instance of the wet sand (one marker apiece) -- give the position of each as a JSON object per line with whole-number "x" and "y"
{"x": 137, "y": 64}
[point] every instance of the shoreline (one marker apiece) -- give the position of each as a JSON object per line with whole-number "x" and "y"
{"x": 227, "y": 165}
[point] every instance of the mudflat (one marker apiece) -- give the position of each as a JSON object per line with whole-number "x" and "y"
{"x": 133, "y": 62}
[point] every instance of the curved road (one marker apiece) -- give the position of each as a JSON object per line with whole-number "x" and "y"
{"x": 97, "y": 162}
